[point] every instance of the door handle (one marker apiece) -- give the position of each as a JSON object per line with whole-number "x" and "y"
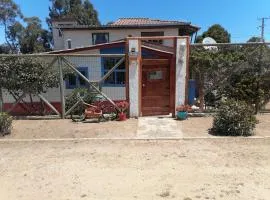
{"x": 143, "y": 85}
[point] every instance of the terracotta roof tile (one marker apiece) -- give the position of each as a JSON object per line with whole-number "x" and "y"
{"x": 145, "y": 21}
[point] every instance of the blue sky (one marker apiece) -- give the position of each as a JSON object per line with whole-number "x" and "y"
{"x": 239, "y": 17}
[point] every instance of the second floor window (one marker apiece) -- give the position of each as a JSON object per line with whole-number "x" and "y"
{"x": 100, "y": 38}
{"x": 153, "y": 34}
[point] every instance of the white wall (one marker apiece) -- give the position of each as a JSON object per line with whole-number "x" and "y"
{"x": 181, "y": 71}
{"x": 134, "y": 67}
{"x": 81, "y": 38}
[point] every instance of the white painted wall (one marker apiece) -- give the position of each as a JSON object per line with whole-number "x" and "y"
{"x": 181, "y": 71}
{"x": 134, "y": 66}
{"x": 81, "y": 38}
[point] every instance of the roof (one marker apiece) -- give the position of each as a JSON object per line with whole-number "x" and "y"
{"x": 135, "y": 23}
{"x": 145, "y": 21}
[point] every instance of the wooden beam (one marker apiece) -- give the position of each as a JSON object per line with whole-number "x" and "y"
{"x": 73, "y": 107}
{"x": 16, "y": 102}
{"x": 1, "y": 100}
{"x": 49, "y": 104}
{"x": 61, "y": 83}
{"x": 63, "y": 54}
{"x": 73, "y": 67}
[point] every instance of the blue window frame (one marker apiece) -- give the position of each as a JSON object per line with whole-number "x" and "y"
{"x": 117, "y": 78}
{"x": 75, "y": 81}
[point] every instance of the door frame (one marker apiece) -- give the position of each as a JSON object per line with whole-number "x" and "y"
{"x": 173, "y": 56}
{"x": 168, "y": 60}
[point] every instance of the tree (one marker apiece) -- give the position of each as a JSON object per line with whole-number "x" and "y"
{"x": 82, "y": 11}
{"x": 4, "y": 49}
{"x": 35, "y": 39}
{"x": 29, "y": 39}
{"x": 14, "y": 35}
{"x": 9, "y": 12}
{"x": 29, "y": 76}
{"x": 217, "y": 32}
{"x": 254, "y": 39}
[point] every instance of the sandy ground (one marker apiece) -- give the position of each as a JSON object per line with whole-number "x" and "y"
{"x": 217, "y": 169}
{"x": 27, "y": 129}
{"x": 193, "y": 127}
{"x": 198, "y": 127}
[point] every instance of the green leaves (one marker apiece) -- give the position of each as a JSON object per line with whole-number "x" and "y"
{"x": 234, "y": 118}
{"x": 5, "y": 124}
{"x": 29, "y": 75}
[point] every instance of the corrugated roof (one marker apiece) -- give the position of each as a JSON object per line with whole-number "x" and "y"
{"x": 145, "y": 21}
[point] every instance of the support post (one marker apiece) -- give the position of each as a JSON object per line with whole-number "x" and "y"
{"x": 17, "y": 101}
{"x": 49, "y": 104}
{"x": 62, "y": 89}
{"x": 1, "y": 100}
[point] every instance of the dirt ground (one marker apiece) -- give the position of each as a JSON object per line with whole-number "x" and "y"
{"x": 197, "y": 127}
{"x": 28, "y": 129}
{"x": 217, "y": 169}
{"x": 35, "y": 129}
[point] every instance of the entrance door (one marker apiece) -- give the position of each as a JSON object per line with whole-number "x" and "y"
{"x": 155, "y": 87}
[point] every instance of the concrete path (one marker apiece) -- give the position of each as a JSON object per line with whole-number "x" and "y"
{"x": 158, "y": 127}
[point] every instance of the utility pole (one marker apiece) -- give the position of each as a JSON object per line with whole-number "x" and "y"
{"x": 262, "y": 27}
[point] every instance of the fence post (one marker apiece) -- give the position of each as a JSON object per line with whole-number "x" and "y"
{"x": 1, "y": 100}
{"x": 61, "y": 83}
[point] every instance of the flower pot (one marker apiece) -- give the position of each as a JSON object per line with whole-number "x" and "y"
{"x": 122, "y": 116}
{"x": 182, "y": 115}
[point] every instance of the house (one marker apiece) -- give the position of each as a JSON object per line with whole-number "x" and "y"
{"x": 152, "y": 77}
{"x": 67, "y": 34}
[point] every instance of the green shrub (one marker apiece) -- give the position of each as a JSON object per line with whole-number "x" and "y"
{"x": 5, "y": 124}
{"x": 71, "y": 99}
{"x": 234, "y": 118}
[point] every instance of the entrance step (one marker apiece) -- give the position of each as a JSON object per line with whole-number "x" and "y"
{"x": 158, "y": 127}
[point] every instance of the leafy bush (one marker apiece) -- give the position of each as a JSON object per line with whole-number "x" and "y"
{"x": 234, "y": 118}
{"x": 5, "y": 124}
{"x": 71, "y": 99}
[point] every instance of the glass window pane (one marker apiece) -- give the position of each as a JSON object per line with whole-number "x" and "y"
{"x": 109, "y": 63}
{"x": 82, "y": 81}
{"x": 72, "y": 80}
{"x": 110, "y": 79}
{"x": 99, "y": 38}
{"x": 155, "y": 75}
{"x": 120, "y": 78}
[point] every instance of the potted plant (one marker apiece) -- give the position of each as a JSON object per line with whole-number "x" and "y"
{"x": 182, "y": 111}
{"x": 122, "y": 106}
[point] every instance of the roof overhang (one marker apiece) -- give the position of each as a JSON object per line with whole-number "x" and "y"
{"x": 161, "y": 49}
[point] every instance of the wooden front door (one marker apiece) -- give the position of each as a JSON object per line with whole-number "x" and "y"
{"x": 155, "y": 87}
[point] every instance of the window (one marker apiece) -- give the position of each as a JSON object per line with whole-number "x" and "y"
{"x": 117, "y": 78}
{"x": 60, "y": 34}
{"x": 153, "y": 34}
{"x": 69, "y": 43}
{"x": 75, "y": 81}
{"x": 100, "y": 38}
{"x": 155, "y": 75}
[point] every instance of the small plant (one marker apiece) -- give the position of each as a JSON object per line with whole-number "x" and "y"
{"x": 5, "y": 124}
{"x": 122, "y": 106}
{"x": 234, "y": 118}
{"x": 71, "y": 99}
{"x": 183, "y": 108}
